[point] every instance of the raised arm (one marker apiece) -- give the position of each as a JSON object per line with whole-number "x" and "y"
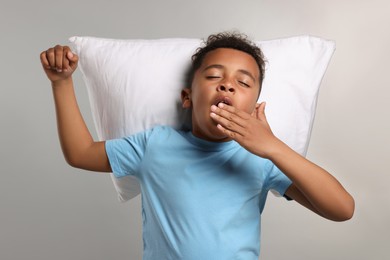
{"x": 313, "y": 187}
{"x": 78, "y": 146}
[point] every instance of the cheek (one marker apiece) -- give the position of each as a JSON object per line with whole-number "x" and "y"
{"x": 249, "y": 101}
{"x": 200, "y": 93}
{"x": 250, "y": 109}
{"x": 198, "y": 101}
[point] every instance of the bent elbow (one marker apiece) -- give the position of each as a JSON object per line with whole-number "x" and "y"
{"x": 351, "y": 209}
{"x": 73, "y": 161}
{"x": 347, "y": 211}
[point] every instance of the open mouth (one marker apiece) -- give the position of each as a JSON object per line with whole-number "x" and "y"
{"x": 224, "y": 100}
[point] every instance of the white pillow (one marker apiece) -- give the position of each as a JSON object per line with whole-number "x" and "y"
{"x": 134, "y": 85}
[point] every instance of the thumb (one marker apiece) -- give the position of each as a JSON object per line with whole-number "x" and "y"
{"x": 72, "y": 57}
{"x": 261, "y": 112}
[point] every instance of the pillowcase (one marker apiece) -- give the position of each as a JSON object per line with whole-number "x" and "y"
{"x": 134, "y": 85}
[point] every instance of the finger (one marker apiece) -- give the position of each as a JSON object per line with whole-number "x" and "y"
{"x": 226, "y": 123}
{"x": 261, "y": 112}
{"x": 59, "y": 55}
{"x": 68, "y": 59}
{"x": 65, "y": 62}
{"x": 254, "y": 112}
{"x": 232, "y": 134}
{"x": 69, "y": 54}
{"x": 224, "y": 117}
{"x": 44, "y": 61}
{"x": 51, "y": 58}
{"x": 234, "y": 110}
{"x": 72, "y": 58}
{"x": 229, "y": 113}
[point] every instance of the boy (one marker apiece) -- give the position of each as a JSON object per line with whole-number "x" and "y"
{"x": 203, "y": 191}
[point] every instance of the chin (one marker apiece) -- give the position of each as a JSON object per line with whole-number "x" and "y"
{"x": 207, "y": 130}
{"x": 209, "y": 133}
{"x": 216, "y": 135}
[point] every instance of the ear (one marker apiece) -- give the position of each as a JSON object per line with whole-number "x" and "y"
{"x": 186, "y": 98}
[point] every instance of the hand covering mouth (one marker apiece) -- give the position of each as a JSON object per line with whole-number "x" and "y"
{"x": 224, "y": 100}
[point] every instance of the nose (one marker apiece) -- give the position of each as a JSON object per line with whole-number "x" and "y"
{"x": 226, "y": 87}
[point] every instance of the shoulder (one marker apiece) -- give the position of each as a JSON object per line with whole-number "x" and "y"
{"x": 157, "y": 134}
{"x": 162, "y": 131}
{"x": 151, "y": 132}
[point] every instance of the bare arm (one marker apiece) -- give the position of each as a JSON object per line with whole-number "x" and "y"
{"x": 313, "y": 187}
{"x": 78, "y": 146}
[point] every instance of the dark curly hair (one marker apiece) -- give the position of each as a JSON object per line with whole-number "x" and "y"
{"x": 232, "y": 40}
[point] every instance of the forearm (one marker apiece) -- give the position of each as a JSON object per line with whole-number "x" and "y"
{"x": 77, "y": 144}
{"x": 325, "y": 194}
{"x": 73, "y": 133}
{"x": 312, "y": 186}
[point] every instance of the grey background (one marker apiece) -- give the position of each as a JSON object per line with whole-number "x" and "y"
{"x": 52, "y": 211}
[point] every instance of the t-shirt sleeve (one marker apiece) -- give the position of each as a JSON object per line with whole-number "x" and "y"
{"x": 126, "y": 154}
{"x": 277, "y": 181}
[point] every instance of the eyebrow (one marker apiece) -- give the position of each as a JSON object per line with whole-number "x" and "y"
{"x": 219, "y": 66}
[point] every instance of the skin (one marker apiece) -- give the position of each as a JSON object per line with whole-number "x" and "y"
{"x": 78, "y": 146}
{"x": 225, "y": 74}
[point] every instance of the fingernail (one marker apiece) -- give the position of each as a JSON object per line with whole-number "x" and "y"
{"x": 220, "y": 105}
{"x": 213, "y": 107}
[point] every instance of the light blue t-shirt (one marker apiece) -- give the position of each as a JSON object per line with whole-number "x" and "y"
{"x": 200, "y": 199}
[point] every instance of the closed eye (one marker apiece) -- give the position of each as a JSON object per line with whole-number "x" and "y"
{"x": 213, "y": 77}
{"x": 245, "y": 84}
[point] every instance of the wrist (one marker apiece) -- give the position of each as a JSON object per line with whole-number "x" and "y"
{"x": 276, "y": 149}
{"x": 62, "y": 82}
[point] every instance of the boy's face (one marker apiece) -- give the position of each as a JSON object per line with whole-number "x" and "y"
{"x": 226, "y": 75}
